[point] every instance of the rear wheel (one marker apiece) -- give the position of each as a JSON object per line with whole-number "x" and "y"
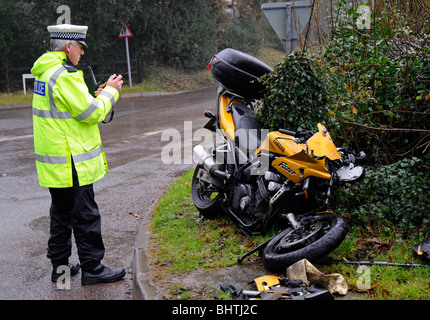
{"x": 315, "y": 238}
{"x": 205, "y": 196}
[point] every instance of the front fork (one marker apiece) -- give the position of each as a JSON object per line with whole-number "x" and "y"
{"x": 292, "y": 220}
{"x": 329, "y": 189}
{"x": 290, "y": 216}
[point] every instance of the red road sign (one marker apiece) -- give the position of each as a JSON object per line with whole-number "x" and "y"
{"x": 125, "y": 32}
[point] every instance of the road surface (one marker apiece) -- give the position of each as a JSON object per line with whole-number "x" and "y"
{"x": 133, "y": 145}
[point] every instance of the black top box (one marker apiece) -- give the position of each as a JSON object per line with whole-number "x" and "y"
{"x": 238, "y": 72}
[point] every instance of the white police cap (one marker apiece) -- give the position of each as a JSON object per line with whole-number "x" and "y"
{"x": 68, "y": 32}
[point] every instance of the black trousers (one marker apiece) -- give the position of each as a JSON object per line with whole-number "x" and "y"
{"x": 74, "y": 209}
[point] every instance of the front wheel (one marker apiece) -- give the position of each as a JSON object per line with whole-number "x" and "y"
{"x": 315, "y": 238}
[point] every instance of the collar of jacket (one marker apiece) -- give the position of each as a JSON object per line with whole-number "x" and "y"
{"x": 61, "y": 55}
{"x": 64, "y": 60}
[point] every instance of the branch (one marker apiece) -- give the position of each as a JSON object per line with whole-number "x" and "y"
{"x": 386, "y": 129}
{"x": 406, "y": 111}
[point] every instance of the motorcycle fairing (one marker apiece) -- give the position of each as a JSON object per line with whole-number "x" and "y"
{"x": 300, "y": 166}
{"x": 299, "y": 161}
{"x": 280, "y": 143}
{"x": 322, "y": 145}
{"x": 294, "y": 163}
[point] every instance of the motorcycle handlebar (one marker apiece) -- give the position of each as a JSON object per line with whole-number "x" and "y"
{"x": 349, "y": 156}
{"x": 361, "y": 158}
{"x": 301, "y": 135}
{"x": 289, "y": 132}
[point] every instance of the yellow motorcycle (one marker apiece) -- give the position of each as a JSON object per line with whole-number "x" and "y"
{"x": 263, "y": 179}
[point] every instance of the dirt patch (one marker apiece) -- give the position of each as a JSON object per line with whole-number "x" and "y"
{"x": 204, "y": 284}
{"x": 365, "y": 248}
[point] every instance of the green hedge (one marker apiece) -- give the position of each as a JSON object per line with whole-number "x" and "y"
{"x": 397, "y": 193}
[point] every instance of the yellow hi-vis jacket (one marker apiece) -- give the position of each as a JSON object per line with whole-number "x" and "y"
{"x": 65, "y": 123}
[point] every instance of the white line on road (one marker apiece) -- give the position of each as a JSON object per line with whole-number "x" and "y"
{"x": 16, "y": 138}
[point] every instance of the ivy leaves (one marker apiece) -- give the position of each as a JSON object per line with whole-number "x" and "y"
{"x": 295, "y": 97}
{"x": 397, "y": 193}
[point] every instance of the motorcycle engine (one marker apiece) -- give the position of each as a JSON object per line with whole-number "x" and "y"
{"x": 242, "y": 195}
{"x": 250, "y": 200}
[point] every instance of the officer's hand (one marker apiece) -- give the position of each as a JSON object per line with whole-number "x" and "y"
{"x": 97, "y": 92}
{"x": 115, "y": 81}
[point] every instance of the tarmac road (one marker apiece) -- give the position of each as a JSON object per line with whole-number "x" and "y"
{"x": 137, "y": 177}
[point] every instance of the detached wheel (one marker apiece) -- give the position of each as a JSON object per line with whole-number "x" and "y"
{"x": 316, "y": 238}
{"x": 205, "y": 196}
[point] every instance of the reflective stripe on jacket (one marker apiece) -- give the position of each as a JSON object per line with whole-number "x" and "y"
{"x": 65, "y": 123}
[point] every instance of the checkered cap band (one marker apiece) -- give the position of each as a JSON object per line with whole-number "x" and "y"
{"x": 68, "y": 36}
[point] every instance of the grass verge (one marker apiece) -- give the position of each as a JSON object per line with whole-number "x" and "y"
{"x": 382, "y": 282}
{"x": 183, "y": 242}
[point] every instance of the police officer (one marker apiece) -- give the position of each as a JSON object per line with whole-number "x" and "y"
{"x": 69, "y": 153}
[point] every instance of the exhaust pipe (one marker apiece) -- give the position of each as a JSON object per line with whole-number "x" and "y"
{"x": 203, "y": 157}
{"x": 209, "y": 163}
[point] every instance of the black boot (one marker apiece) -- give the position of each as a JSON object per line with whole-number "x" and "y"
{"x": 101, "y": 274}
{"x": 73, "y": 266}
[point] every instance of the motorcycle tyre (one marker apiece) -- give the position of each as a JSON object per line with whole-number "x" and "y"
{"x": 208, "y": 208}
{"x": 278, "y": 262}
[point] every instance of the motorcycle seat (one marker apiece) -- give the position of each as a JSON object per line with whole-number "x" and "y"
{"x": 248, "y": 127}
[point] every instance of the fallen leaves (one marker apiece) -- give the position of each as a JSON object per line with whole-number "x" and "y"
{"x": 136, "y": 215}
{"x": 428, "y": 97}
{"x": 367, "y": 246}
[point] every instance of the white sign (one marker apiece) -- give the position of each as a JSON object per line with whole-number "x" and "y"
{"x": 24, "y": 77}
